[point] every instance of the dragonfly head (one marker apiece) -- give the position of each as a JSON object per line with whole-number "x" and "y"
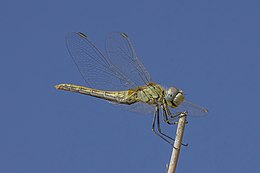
{"x": 174, "y": 97}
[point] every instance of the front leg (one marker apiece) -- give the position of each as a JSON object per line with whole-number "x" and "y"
{"x": 167, "y": 113}
{"x": 165, "y": 117}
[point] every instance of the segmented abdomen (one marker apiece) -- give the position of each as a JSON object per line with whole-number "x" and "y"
{"x": 114, "y": 96}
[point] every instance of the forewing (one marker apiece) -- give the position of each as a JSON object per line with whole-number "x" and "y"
{"x": 121, "y": 71}
{"x": 94, "y": 66}
{"x": 122, "y": 55}
{"x": 192, "y": 109}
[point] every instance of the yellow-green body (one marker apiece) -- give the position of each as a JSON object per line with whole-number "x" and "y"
{"x": 151, "y": 93}
{"x": 121, "y": 67}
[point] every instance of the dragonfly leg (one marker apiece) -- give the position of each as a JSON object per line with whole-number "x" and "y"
{"x": 159, "y": 133}
{"x": 166, "y": 113}
{"x": 174, "y": 116}
{"x": 165, "y": 118}
{"x": 159, "y": 128}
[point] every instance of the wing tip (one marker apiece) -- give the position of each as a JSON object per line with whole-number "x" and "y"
{"x": 124, "y": 35}
{"x": 81, "y": 35}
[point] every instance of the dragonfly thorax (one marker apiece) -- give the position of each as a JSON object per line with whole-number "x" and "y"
{"x": 174, "y": 97}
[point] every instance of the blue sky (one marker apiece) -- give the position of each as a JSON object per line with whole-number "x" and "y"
{"x": 210, "y": 49}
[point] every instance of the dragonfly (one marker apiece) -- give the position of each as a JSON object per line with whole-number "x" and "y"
{"x": 120, "y": 78}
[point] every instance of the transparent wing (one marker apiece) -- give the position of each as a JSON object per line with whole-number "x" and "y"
{"x": 138, "y": 107}
{"x": 97, "y": 69}
{"x": 122, "y": 55}
{"x": 192, "y": 109}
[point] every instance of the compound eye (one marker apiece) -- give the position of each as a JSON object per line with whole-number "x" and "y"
{"x": 169, "y": 96}
{"x": 171, "y": 93}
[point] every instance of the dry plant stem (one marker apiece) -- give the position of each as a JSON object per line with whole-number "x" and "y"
{"x": 177, "y": 144}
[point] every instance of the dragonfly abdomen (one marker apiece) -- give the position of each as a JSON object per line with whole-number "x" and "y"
{"x": 114, "y": 96}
